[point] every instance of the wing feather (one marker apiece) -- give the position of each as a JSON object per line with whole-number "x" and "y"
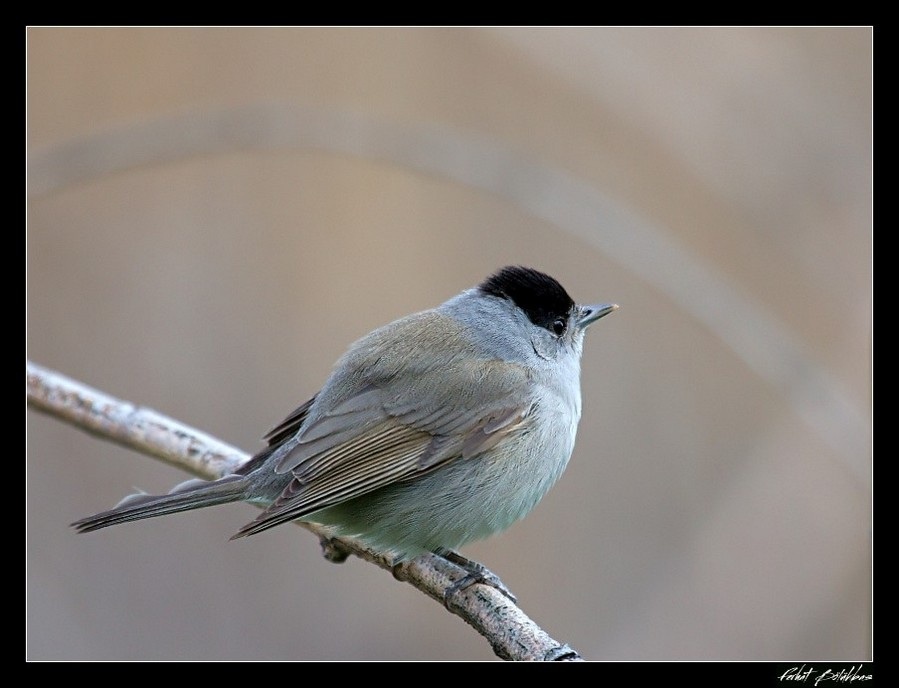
{"x": 289, "y": 426}
{"x": 395, "y": 417}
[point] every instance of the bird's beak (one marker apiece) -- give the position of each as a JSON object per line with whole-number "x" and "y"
{"x": 590, "y": 314}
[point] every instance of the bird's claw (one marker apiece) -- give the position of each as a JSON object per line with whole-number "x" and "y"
{"x": 474, "y": 573}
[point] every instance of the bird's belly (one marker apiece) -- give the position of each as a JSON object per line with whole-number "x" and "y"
{"x": 464, "y": 500}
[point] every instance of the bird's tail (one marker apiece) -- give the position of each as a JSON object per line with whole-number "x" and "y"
{"x": 193, "y": 494}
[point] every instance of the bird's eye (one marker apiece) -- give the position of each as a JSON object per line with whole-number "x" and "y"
{"x": 558, "y": 326}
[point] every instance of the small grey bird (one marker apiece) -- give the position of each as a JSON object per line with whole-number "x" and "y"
{"x": 441, "y": 428}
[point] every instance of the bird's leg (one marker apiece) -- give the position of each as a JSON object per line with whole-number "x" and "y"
{"x": 333, "y": 550}
{"x": 475, "y": 573}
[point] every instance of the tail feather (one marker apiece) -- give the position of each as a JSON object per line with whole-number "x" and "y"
{"x": 263, "y": 522}
{"x": 193, "y": 494}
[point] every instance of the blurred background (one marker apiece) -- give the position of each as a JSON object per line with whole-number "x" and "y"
{"x": 215, "y": 214}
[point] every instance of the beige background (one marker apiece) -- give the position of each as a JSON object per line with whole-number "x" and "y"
{"x": 214, "y": 215}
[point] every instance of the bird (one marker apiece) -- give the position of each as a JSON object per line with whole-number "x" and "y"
{"x": 436, "y": 430}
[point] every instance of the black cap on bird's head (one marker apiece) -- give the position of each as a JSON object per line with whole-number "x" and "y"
{"x": 540, "y": 296}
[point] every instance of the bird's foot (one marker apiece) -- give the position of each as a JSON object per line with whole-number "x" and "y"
{"x": 475, "y": 573}
{"x": 333, "y": 550}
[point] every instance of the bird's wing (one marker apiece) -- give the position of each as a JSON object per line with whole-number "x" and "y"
{"x": 288, "y": 427}
{"x": 396, "y": 417}
{"x": 277, "y": 437}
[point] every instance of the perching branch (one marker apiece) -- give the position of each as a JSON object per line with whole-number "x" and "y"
{"x": 510, "y": 632}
